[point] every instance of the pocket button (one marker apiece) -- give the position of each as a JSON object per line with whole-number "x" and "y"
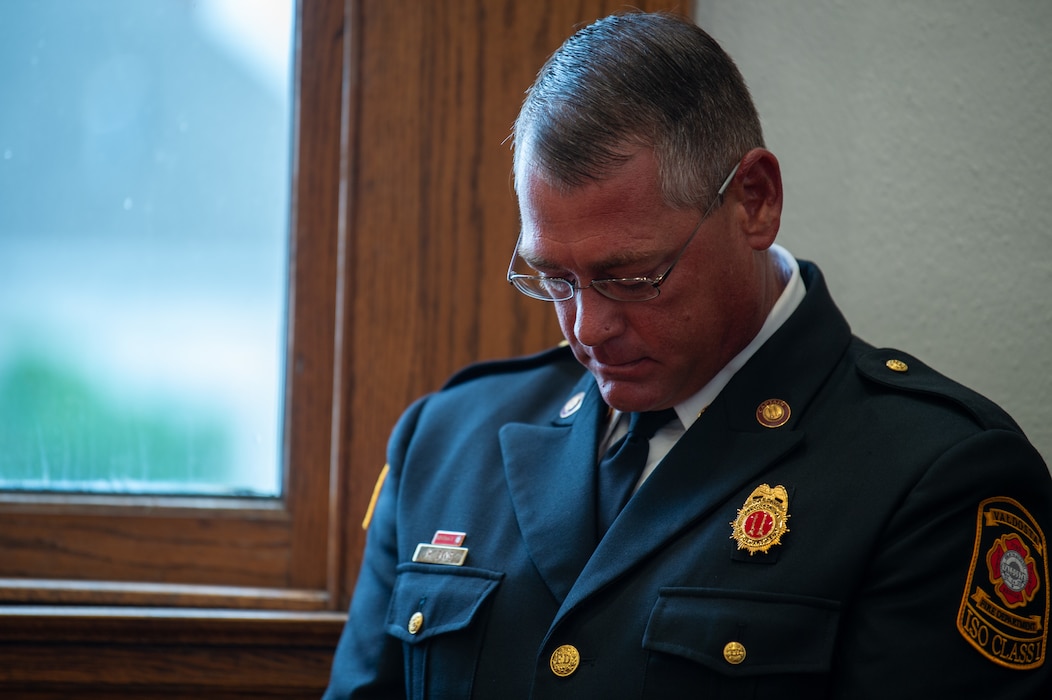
{"x": 416, "y": 623}
{"x": 734, "y": 653}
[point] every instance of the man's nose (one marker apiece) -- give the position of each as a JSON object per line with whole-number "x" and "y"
{"x": 597, "y": 318}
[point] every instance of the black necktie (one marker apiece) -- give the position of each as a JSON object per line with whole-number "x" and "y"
{"x": 622, "y": 465}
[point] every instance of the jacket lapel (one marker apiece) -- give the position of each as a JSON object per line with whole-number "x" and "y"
{"x": 551, "y": 476}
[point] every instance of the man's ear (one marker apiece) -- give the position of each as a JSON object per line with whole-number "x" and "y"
{"x": 758, "y": 186}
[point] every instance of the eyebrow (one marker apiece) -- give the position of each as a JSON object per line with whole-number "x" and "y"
{"x": 613, "y": 260}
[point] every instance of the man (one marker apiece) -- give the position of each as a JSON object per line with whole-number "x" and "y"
{"x": 815, "y": 518}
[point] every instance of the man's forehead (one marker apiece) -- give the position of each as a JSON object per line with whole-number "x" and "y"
{"x": 637, "y": 175}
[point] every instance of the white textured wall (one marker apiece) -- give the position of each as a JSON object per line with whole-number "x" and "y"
{"x": 915, "y": 138}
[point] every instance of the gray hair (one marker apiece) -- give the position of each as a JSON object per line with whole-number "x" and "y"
{"x": 637, "y": 80}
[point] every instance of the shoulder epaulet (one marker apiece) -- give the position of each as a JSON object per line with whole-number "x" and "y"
{"x": 896, "y": 369}
{"x": 514, "y": 364}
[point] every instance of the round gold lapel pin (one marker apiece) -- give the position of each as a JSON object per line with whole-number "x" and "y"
{"x": 773, "y": 413}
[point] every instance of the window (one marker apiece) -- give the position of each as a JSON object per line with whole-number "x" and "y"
{"x": 153, "y": 450}
{"x": 145, "y": 171}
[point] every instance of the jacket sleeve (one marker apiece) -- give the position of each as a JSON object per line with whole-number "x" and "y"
{"x": 369, "y": 662}
{"x": 929, "y": 619}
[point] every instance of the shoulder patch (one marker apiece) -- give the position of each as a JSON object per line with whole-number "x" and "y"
{"x": 514, "y": 364}
{"x": 898, "y": 370}
{"x": 1004, "y": 610}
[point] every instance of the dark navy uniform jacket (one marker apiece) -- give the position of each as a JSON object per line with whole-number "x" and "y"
{"x": 913, "y": 564}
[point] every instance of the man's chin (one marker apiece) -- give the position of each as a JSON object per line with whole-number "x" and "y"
{"x": 628, "y": 397}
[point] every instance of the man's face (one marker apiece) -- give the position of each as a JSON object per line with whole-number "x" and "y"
{"x": 651, "y": 354}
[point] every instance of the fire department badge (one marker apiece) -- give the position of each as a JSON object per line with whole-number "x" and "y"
{"x": 761, "y": 521}
{"x": 1004, "y": 611}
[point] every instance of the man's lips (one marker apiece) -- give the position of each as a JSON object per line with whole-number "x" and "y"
{"x": 612, "y": 368}
{"x": 601, "y": 360}
{"x": 618, "y": 363}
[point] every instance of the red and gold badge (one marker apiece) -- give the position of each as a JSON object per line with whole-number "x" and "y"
{"x": 761, "y": 522}
{"x": 1004, "y": 611}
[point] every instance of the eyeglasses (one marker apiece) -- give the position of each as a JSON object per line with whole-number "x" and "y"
{"x": 617, "y": 288}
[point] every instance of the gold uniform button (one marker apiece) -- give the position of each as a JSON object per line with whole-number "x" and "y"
{"x": 896, "y": 365}
{"x": 416, "y": 622}
{"x": 565, "y": 660}
{"x": 734, "y": 653}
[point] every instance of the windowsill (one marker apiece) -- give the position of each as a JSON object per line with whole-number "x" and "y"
{"x": 89, "y": 651}
{"x": 149, "y": 625}
{"x": 52, "y": 592}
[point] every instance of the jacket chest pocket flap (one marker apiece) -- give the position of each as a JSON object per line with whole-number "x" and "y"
{"x": 430, "y": 600}
{"x": 744, "y": 633}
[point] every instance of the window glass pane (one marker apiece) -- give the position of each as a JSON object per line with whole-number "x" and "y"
{"x": 144, "y": 206}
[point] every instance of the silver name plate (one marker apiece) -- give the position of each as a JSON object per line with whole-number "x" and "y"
{"x": 440, "y": 554}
